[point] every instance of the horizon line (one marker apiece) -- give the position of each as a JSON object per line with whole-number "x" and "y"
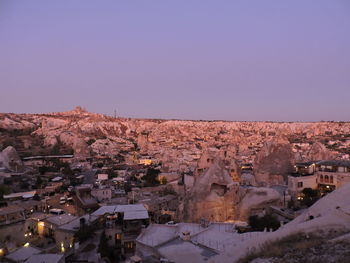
{"x": 178, "y": 119}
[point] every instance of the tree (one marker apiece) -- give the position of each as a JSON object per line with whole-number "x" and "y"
{"x": 105, "y": 250}
{"x": 43, "y": 169}
{"x": 260, "y": 223}
{"x": 67, "y": 170}
{"x": 4, "y": 190}
{"x": 90, "y": 141}
{"x": 111, "y": 174}
{"x": 85, "y": 231}
{"x": 310, "y": 196}
{"x": 24, "y": 185}
{"x": 151, "y": 177}
{"x": 55, "y": 150}
{"x": 39, "y": 182}
{"x": 127, "y": 187}
{"x": 36, "y": 197}
{"x": 103, "y": 246}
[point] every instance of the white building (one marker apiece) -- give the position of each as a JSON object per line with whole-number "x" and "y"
{"x": 325, "y": 176}
{"x": 297, "y": 184}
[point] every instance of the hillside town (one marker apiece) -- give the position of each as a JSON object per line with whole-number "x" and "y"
{"x": 84, "y": 187}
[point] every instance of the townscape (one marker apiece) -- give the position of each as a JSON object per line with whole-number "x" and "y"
{"x": 78, "y": 186}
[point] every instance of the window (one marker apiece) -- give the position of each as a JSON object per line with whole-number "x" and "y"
{"x": 321, "y": 178}
{"x": 326, "y": 179}
{"x": 129, "y": 245}
{"x": 300, "y": 184}
{"x": 331, "y": 179}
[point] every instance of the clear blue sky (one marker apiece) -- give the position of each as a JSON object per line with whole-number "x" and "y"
{"x": 233, "y": 60}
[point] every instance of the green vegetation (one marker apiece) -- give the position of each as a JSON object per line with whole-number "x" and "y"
{"x": 90, "y": 141}
{"x": 56, "y": 166}
{"x": 260, "y": 223}
{"x": 17, "y": 132}
{"x": 278, "y": 248}
{"x": 24, "y": 185}
{"x": 60, "y": 148}
{"x": 4, "y": 190}
{"x": 85, "y": 231}
{"x": 151, "y": 177}
{"x": 39, "y": 182}
{"x": 36, "y": 197}
{"x": 302, "y": 247}
{"x": 310, "y": 196}
{"x": 120, "y": 158}
{"x": 105, "y": 250}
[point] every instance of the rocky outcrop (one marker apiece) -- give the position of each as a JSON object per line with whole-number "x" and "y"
{"x": 256, "y": 200}
{"x": 10, "y": 160}
{"x": 274, "y": 161}
{"x": 319, "y": 152}
{"x": 320, "y": 233}
{"x": 213, "y": 195}
{"x": 174, "y": 143}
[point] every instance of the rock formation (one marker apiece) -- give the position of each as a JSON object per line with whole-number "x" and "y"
{"x": 324, "y": 227}
{"x": 176, "y": 144}
{"x": 213, "y": 195}
{"x": 256, "y": 200}
{"x": 319, "y": 152}
{"x": 274, "y": 161}
{"x": 10, "y": 160}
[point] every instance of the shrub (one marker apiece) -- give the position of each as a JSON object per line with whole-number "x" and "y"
{"x": 310, "y": 196}
{"x": 151, "y": 177}
{"x": 105, "y": 250}
{"x": 4, "y": 190}
{"x": 278, "y": 248}
{"x": 84, "y": 232}
{"x": 266, "y": 221}
{"x": 90, "y": 141}
{"x": 36, "y": 197}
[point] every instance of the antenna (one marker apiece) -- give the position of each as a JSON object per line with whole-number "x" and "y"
{"x": 115, "y": 113}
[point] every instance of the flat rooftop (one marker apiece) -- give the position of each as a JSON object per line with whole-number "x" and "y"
{"x": 60, "y": 219}
{"x": 22, "y": 254}
{"x": 74, "y": 224}
{"x": 299, "y": 175}
{"x": 10, "y": 209}
{"x": 45, "y": 258}
{"x": 342, "y": 163}
{"x": 183, "y": 251}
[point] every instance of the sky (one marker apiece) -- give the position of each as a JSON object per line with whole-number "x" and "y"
{"x": 248, "y": 60}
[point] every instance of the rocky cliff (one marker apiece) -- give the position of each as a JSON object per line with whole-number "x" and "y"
{"x": 178, "y": 145}
{"x": 213, "y": 195}
{"x": 10, "y": 160}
